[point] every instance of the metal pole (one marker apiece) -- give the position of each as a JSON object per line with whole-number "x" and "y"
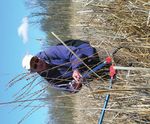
{"x": 105, "y": 104}
{"x": 112, "y": 72}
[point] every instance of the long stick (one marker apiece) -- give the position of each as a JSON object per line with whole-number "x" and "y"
{"x": 74, "y": 54}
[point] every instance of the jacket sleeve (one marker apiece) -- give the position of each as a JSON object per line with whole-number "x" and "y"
{"x": 75, "y": 62}
{"x": 60, "y": 55}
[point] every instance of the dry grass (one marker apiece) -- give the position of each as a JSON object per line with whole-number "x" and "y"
{"x": 108, "y": 25}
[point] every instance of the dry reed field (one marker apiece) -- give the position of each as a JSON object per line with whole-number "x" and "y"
{"x": 121, "y": 27}
{"x": 123, "y": 24}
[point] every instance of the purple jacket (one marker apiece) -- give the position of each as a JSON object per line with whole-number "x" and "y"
{"x": 65, "y": 62}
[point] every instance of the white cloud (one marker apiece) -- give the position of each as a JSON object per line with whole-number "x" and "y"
{"x": 23, "y": 30}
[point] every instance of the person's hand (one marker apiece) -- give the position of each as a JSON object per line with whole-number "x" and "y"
{"x": 77, "y": 86}
{"x": 76, "y": 75}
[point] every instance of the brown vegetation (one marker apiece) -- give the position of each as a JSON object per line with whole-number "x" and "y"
{"x": 109, "y": 25}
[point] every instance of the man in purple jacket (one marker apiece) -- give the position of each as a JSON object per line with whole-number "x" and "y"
{"x": 59, "y": 66}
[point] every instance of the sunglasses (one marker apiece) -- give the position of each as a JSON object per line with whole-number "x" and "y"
{"x": 34, "y": 62}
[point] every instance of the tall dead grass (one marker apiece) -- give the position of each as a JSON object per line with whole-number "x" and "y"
{"x": 113, "y": 24}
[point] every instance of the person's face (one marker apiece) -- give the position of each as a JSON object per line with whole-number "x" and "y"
{"x": 38, "y": 65}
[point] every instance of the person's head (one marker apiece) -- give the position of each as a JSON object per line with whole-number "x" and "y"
{"x": 33, "y": 63}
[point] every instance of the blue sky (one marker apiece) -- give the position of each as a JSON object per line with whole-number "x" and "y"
{"x": 12, "y": 50}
